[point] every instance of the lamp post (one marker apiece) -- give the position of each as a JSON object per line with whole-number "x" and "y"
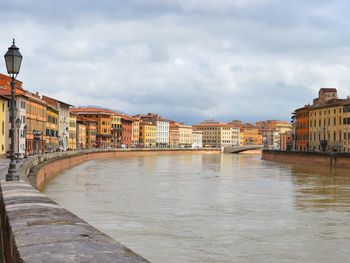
{"x": 18, "y": 126}
{"x": 13, "y": 60}
{"x": 25, "y": 140}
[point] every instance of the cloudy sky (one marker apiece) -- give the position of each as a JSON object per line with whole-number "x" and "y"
{"x": 185, "y": 59}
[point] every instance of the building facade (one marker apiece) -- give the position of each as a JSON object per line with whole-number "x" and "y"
{"x": 3, "y": 125}
{"x": 135, "y": 133}
{"x": 197, "y": 139}
{"x": 81, "y": 137}
{"x": 286, "y": 141}
{"x": 36, "y": 114}
{"x": 126, "y": 139}
{"x": 20, "y": 113}
{"x": 185, "y": 135}
{"x": 250, "y": 134}
{"x": 162, "y": 138}
{"x": 271, "y": 131}
{"x": 215, "y": 134}
{"x": 301, "y": 133}
{"x": 52, "y": 144}
{"x": 148, "y": 134}
{"x": 174, "y": 135}
{"x": 63, "y": 121}
{"x": 103, "y": 120}
{"x": 328, "y": 125}
{"x": 72, "y": 145}
{"x": 116, "y": 130}
{"x": 91, "y": 131}
{"x": 235, "y": 136}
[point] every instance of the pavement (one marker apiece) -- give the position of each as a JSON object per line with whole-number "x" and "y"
{"x": 4, "y": 162}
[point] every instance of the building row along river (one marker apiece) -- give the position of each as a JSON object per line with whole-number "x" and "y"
{"x": 45, "y": 124}
{"x": 324, "y": 125}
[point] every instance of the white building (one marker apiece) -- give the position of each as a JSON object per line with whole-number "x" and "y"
{"x": 20, "y": 113}
{"x": 162, "y": 128}
{"x": 235, "y": 136}
{"x": 197, "y": 139}
{"x": 63, "y": 123}
{"x": 185, "y": 136}
{"x": 162, "y": 139}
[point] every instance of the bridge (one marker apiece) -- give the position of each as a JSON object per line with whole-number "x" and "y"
{"x": 242, "y": 148}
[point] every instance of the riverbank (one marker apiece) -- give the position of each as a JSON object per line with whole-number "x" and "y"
{"x": 334, "y": 160}
{"x": 36, "y": 229}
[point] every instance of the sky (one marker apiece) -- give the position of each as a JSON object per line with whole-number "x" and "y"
{"x": 187, "y": 60}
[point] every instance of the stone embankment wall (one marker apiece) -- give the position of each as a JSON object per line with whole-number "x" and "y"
{"x": 335, "y": 160}
{"x": 36, "y": 229}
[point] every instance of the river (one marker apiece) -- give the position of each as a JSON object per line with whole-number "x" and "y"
{"x": 213, "y": 207}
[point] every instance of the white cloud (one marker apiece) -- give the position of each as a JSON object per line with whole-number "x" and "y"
{"x": 212, "y": 59}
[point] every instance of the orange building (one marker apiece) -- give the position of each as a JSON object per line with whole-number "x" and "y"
{"x": 174, "y": 135}
{"x": 302, "y": 129}
{"x": 251, "y": 135}
{"x": 91, "y": 131}
{"x": 36, "y": 114}
{"x": 20, "y": 103}
{"x": 271, "y": 131}
{"x": 103, "y": 119}
{"x": 127, "y": 130}
{"x": 248, "y": 133}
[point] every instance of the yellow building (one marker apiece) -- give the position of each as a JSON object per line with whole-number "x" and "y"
{"x": 148, "y": 134}
{"x": 329, "y": 123}
{"x": 81, "y": 135}
{"x": 116, "y": 130}
{"x": 215, "y": 134}
{"x": 185, "y": 136}
{"x": 326, "y": 127}
{"x": 135, "y": 133}
{"x": 3, "y": 115}
{"x": 251, "y": 135}
{"x": 52, "y": 129}
{"x": 72, "y": 131}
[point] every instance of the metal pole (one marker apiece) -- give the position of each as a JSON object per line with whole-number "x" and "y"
{"x": 18, "y": 146}
{"x": 12, "y": 171}
{"x": 25, "y": 143}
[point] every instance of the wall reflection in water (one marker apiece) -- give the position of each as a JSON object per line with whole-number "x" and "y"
{"x": 321, "y": 188}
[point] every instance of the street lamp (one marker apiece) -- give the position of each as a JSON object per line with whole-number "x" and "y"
{"x": 18, "y": 126}
{"x": 25, "y": 140}
{"x": 13, "y": 60}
